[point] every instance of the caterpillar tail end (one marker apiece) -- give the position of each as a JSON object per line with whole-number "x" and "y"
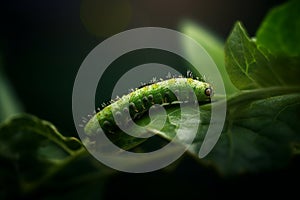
{"x": 92, "y": 127}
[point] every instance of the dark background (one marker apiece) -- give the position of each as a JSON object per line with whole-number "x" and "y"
{"x": 43, "y": 43}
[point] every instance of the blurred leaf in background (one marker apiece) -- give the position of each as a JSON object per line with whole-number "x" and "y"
{"x": 9, "y": 104}
{"x": 212, "y": 44}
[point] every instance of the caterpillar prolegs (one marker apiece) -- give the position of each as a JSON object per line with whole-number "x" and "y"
{"x": 136, "y": 103}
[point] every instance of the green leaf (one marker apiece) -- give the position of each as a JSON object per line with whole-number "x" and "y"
{"x": 250, "y": 67}
{"x": 35, "y": 148}
{"x": 34, "y": 157}
{"x": 280, "y": 30}
{"x": 212, "y": 44}
{"x": 9, "y": 104}
{"x": 261, "y": 131}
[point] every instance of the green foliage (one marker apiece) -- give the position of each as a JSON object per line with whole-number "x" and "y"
{"x": 261, "y": 131}
{"x": 37, "y": 161}
{"x": 250, "y": 67}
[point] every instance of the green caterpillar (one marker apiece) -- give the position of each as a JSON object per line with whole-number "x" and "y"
{"x": 139, "y": 101}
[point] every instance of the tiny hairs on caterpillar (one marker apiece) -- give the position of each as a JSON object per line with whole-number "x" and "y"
{"x": 139, "y": 101}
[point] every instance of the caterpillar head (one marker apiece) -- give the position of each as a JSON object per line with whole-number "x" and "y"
{"x": 208, "y": 91}
{"x": 204, "y": 92}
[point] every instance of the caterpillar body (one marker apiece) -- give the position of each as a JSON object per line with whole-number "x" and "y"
{"x": 139, "y": 101}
